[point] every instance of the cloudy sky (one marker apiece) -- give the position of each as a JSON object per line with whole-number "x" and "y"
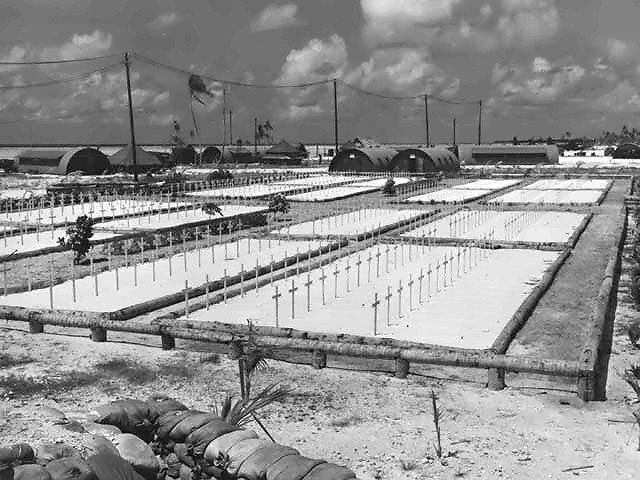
{"x": 542, "y": 67}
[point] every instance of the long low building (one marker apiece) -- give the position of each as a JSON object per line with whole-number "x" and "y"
{"x": 508, "y": 154}
{"x": 61, "y": 162}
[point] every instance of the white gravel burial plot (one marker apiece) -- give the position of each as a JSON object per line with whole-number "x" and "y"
{"x": 21, "y": 194}
{"x": 488, "y": 184}
{"x": 333, "y": 193}
{"x": 524, "y": 226}
{"x": 58, "y": 215}
{"x": 571, "y": 184}
{"x": 380, "y": 182}
{"x": 449, "y": 195}
{"x": 127, "y": 286}
{"x": 321, "y": 180}
{"x": 176, "y": 218}
{"x": 32, "y": 242}
{"x": 469, "y": 312}
{"x": 550, "y": 196}
{"x": 246, "y": 191}
{"x": 351, "y": 223}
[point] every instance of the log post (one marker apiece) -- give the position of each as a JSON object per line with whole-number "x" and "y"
{"x": 98, "y": 334}
{"x": 586, "y": 387}
{"x": 35, "y": 327}
{"x": 168, "y": 342}
{"x": 319, "y": 359}
{"x": 495, "y": 379}
{"x": 402, "y": 368}
{"x": 235, "y": 350}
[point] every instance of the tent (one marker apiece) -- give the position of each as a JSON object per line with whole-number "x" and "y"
{"x": 123, "y": 159}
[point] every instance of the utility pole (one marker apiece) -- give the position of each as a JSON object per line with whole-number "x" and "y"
{"x": 131, "y": 122}
{"x": 480, "y": 123}
{"x": 426, "y": 119}
{"x": 230, "y": 127}
{"x": 454, "y": 131}
{"x": 224, "y": 117}
{"x": 335, "y": 113}
{"x": 255, "y": 136}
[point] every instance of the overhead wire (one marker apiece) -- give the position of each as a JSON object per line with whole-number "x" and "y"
{"x": 55, "y": 62}
{"x": 60, "y": 81}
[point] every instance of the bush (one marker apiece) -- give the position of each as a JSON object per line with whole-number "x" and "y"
{"x": 279, "y": 204}
{"x": 218, "y": 175}
{"x": 389, "y": 187}
{"x": 78, "y": 236}
{"x": 211, "y": 208}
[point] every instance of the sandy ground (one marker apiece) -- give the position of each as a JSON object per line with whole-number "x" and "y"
{"x": 449, "y": 195}
{"x": 31, "y": 242}
{"x": 351, "y": 223}
{"x": 113, "y": 290}
{"x": 549, "y": 196}
{"x": 488, "y": 184}
{"x": 463, "y": 303}
{"x": 526, "y": 226}
{"x": 573, "y": 184}
{"x": 333, "y": 193}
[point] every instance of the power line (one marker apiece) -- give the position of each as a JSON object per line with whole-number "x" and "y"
{"x": 59, "y": 81}
{"x": 181, "y": 71}
{"x": 407, "y": 97}
{"x": 67, "y": 116}
{"x": 71, "y": 60}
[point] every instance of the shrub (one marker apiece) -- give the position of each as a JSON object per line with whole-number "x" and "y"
{"x": 211, "y": 208}
{"x": 279, "y": 204}
{"x": 218, "y": 175}
{"x": 78, "y": 236}
{"x": 389, "y": 187}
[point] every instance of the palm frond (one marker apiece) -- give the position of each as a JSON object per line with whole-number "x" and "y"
{"x": 240, "y": 412}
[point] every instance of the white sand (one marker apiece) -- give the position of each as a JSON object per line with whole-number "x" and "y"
{"x": 21, "y": 194}
{"x": 98, "y": 209}
{"x": 549, "y": 196}
{"x": 320, "y": 180}
{"x": 110, "y": 299}
{"x": 333, "y": 193}
{"x": 176, "y": 218}
{"x": 246, "y": 191}
{"x": 449, "y": 195}
{"x": 526, "y": 226}
{"x": 488, "y": 184}
{"x": 351, "y": 223}
{"x": 572, "y": 184}
{"x": 32, "y": 242}
{"x": 380, "y": 182}
{"x": 470, "y": 313}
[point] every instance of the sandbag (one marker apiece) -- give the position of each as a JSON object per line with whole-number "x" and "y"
{"x": 130, "y": 416}
{"x": 292, "y": 467}
{"x": 188, "y": 424}
{"x": 186, "y": 473}
{"x": 48, "y": 452}
{"x": 31, "y": 472}
{"x": 18, "y": 454}
{"x": 166, "y": 422}
{"x": 96, "y": 444}
{"x": 199, "y": 439}
{"x": 135, "y": 451}
{"x": 330, "y": 471}
{"x": 70, "y": 468}
{"x": 161, "y": 404}
{"x": 108, "y": 431}
{"x": 243, "y": 450}
{"x": 112, "y": 467}
{"x": 256, "y": 465}
{"x": 173, "y": 465}
{"x": 181, "y": 450}
{"x": 224, "y": 442}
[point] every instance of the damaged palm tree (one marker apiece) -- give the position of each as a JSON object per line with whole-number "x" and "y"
{"x": 197, "y": 89}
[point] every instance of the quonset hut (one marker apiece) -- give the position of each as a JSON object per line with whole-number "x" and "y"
{"x": 425, "y": 160}
{"x": 123, "y": 159}
{"x": 627, "y": 150}
{"x": 377, "y": 159}
{"x": 61, "y": 162}
{"x": 211, "y": 154}
{"x": 508, "y": 154}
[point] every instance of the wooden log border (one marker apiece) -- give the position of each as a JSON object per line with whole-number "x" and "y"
{"x": 590, "y": 386}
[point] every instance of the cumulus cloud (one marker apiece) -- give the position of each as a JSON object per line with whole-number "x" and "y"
{"x": 623, "y": 98}
{"x": 276, "y": 16}
{"x": 164, "y": 21}
{"x": 317, "y": 60}
{"x": 80, "y": 45}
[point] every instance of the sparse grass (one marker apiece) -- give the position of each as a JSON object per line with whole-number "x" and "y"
{"x": 408, "y": 465}
{"x": 125, "y": 369}
{"x": 24, "y": 386}
{"x": 213, "y": 358}
{"x": 347, "y": 421}
{"x": 7, "y": 360}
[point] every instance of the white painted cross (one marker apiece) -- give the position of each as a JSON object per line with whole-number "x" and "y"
{"x": 388, "y": 299}
{"x": 293, "y": 291}
{"x": 308, "y": 284}
{"x": 358, "y": 263}
{"x": 374, "y": 305}
{"x": 400, "y": 289}
{"x": 410, "y": 285}
{"x": 336, "y": 272}
{"x": 420, "y": 279}
{"x": 276, "y": 296}
{"x": 348, "y": 268}
{"x": 323, "y": 277}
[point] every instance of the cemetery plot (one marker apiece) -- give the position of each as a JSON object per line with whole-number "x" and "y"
{"x": 135, "y": 284}
{"x": 573, "y": 184}
{"x": 62, "y": 214}
{"x": 357, "y": 222}
{"x": 449, "y": 195}
{"x": 21, "y": 194}
{"x": 335, "y": 193}
{"x": 457, "y": 297}
{"x": 488, "y": 184}
{"x": 321, "y": 180}
{"x": 380, "y": 182}
{"x": 522, "y": 226}
{"x": 182, "y": 218}
{"x": 550, "y": 197}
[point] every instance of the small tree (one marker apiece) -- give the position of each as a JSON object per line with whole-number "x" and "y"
{"x": 212, "y": 208}
{"x": 389, "y": 187}
{"x": 279, "y": 204}
{"x": 78, "y": 236}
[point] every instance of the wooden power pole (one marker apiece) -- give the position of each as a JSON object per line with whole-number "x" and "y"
{"x": 335, "y": 114}
{"x": 132, "y": 129}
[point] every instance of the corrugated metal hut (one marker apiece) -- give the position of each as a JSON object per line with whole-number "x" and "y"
{"x": 61, "y": 162}
{"x": 627, "y": 150}
{"x": 123, "y": 159}
{"x": 363, "y": 160}
{"x": 508, "y": 154}
{"x": 425, "y": 160}
{"x": 238, "y": 155}
{"x": 211, "y": 154}
{"x": 285, "y": 153}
